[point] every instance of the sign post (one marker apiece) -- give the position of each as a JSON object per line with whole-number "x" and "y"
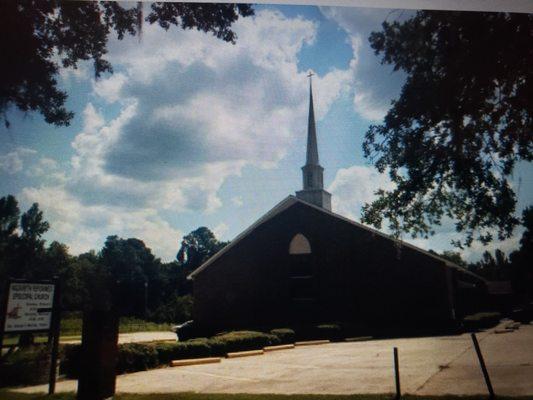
{"x": 33, "y": 307}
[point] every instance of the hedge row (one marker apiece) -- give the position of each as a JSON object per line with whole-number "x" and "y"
{"x": 142, "y": 356}
{"x": 25, "y": 367}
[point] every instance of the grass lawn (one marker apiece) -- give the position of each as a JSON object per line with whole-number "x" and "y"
{"x": 7, "y": 395}
{"x": 71, "y": 329}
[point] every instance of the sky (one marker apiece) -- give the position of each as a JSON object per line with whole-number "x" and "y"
{"x": 192, "y": 131}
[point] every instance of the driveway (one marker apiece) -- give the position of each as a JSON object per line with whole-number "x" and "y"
{"x": 431, "y": 365}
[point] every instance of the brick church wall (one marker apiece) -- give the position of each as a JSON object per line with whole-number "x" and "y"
{"x": 359, "y": 276}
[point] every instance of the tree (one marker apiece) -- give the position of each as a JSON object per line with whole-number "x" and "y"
{"x": 39, "y": 36}
{"x": 522, "y": 267}
{"x": 196, "y": 248}
{"x": 494, "y": 268}
{"x": 463, "y": 120}
{"x": 9, "y": 217}
{"x": 454, "y": 257}
{"x": 133, "y": 269}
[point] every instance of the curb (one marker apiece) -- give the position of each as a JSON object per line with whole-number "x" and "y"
{"x": 358, "y": 339}
{"x": 279, "y": 347}
{"x": 245, "y": 353}
{"x": 311, "y": 342}
{"x": 194, "y": 361}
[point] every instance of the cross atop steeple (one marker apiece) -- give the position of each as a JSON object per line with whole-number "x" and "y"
{"x": 313, "y": 185}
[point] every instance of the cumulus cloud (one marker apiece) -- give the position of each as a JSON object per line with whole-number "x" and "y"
{"x": 375, "y": 85}
{"x": 83, "y": 225}
{"x": 196, "y": 110}
{"x": 355, "y": 186}
{"x": 13, "y": 162}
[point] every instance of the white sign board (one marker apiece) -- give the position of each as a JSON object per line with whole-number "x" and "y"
{"x": 29, "y": 307}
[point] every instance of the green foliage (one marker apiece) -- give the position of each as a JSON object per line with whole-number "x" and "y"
{"x": 285, "y": 335}
{"x": 454, "y": 257}
{"x": 9, "y": 217}
{"x": 178, "y": 309}
{"x": 196, "y": 248}
{"x": 70, "y": 360}
{"x": 136, "y": 357}
{"x": 522, "y": 267}
{"x": 182, "y": 350}
{"x": 241, "y": 341}
{"x": 142, "y": 356}
{"x": 28, "y": 366}
{"x": 39, "y": 37}
{"x": 462, "y": 122}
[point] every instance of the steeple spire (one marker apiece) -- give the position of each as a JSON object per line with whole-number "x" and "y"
{"x": 313, "y": 174}
{"x": 312, "y": 147}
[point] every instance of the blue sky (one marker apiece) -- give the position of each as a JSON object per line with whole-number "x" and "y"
{"x": 190, "y": 131}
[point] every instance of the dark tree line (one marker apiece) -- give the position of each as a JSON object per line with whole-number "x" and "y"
{"x": 515, "y": 267}
{"x": 143, "y": 285}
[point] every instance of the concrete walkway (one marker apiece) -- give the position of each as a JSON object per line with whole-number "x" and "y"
{"x": 433, "y": 365}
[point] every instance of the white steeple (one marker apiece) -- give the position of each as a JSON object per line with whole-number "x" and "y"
{"x": 313, "y": 174}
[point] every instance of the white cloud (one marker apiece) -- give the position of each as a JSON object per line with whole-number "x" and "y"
{"x": 355, "y": 186}
{"x": 237, "y": 201}
{"x": 13, "y": 162}
{"x": 86, "y": 227}
{"x": 375, "y": 85}
{"x": 198, "y": 110}
{"x": 220, "y": 230}
{"x": 110, "y": 88}
{"x": 47, "y": 169}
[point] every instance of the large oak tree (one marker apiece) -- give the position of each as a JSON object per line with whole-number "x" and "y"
{"x": 38, "y": 37}
{"x": 462, "y": 122}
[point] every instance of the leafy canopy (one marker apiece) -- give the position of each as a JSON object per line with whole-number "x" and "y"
{"x": 37, "y": 37}
{"x": 462, "y": 122}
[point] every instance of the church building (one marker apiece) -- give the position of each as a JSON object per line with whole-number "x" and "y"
{"x": 302, "y": 263}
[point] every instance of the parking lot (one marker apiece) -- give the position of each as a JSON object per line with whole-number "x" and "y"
{"x": 430, "y": 365}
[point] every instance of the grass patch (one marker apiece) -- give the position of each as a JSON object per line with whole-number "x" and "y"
{"x": 8, "y": 395}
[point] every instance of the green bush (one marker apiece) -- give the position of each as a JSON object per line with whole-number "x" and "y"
{"x": 142, "y": 356}
{"x": 481, "y": 320}
{"x": 167, "y": 352}
{"x": 70, "y": 360}
{"x": 241, "y": 341}
{"x": 285, "y": 335}
{"x": 27, "y": 366}
{"x": 136, "y": 357}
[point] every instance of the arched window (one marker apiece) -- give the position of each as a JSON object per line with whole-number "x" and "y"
{"x": 299, "y": 245}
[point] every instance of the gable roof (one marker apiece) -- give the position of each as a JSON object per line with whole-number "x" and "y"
{"x": 291, "y": 200}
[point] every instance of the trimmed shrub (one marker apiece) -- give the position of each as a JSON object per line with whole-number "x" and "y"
{"x": 136, "y": 357}
{"x": 27, "y": 366}
{"x": 197, "y": 348}
{"x": 70, "y": 361}
{"x": 482, "y": 320}
{"x": 142, "y": 356}
{"x": 285, "y": 335}
{"x": 241, "y": 341}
